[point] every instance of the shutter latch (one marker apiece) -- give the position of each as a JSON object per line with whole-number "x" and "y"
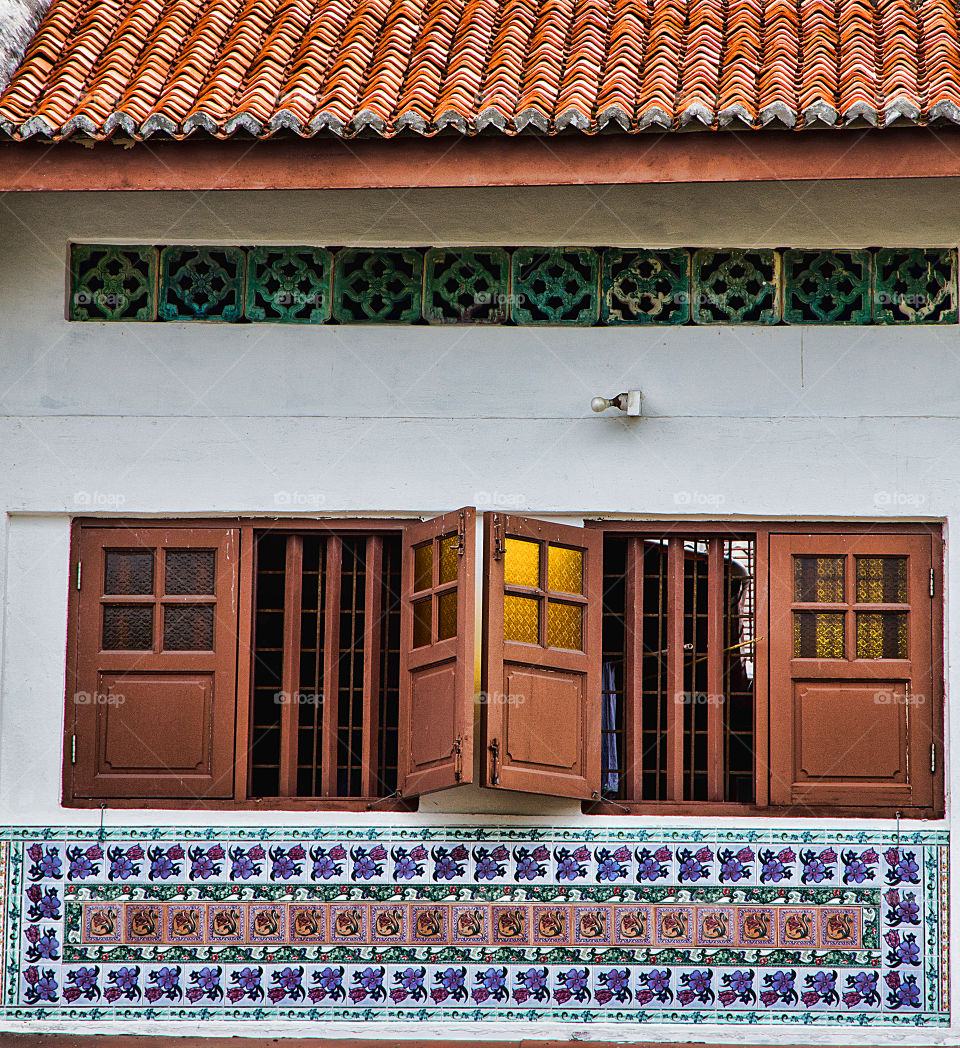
{"x": 498, "y": 547}
{"x": 461, "y": 535}
{"x": 458, "y": 758}
{"x": 933, "y": 757}
{"x": 495, "y": 769}
{"x": 73, "y": 749}
{"x": 931, "y": 582}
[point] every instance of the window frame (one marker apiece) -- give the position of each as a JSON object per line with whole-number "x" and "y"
{"x": 627, "y": 527}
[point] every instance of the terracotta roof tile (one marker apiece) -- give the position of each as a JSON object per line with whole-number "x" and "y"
{"x": 176, "y": 66}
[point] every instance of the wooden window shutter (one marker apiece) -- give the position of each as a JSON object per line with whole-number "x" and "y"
{"x": 853, "y": 693}
{"x": 542, "y": 657}
{"x": 152, "y": 694}
{"x": 437, "y": 630}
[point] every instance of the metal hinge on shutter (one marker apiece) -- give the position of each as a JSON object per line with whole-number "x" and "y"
{"x": 498, "y": 547}
{"x": 933, "y": 757}
{"x": 458, "y": 759}
{"x": 461, "y": 536}
{"x": 73, "y": 749}
{"x": 79, "y": 572}
{"x": 931, "y": 582}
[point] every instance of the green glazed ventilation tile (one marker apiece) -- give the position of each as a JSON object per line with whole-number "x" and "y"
{"x": 377, "y": 286}
{"x": 826, "y": 287}
{"x": 555, "y": 286}
{"x": 466, "y": 286}
{"x": 113, "y": 283}
{"x": 201, "y": 283}
{"x": 915, "y": 286}
{"x": 736, "y": 286}
{"x": 646, "y": 287}
{"x": 288, "y": 285}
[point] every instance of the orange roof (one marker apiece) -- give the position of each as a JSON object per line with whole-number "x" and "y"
{"x": 173, "y": 66}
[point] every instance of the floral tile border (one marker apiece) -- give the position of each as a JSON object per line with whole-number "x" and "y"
{"x": 892, "y": 887}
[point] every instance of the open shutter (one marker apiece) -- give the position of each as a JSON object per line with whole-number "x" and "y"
{"x": 152, "y": 698}
{"x": 542, "y": 656}
{"x": 852, "y": 688}
{"x": 437, "y": 644}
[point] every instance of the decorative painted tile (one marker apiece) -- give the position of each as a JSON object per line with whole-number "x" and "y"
{"x": 388, "y": 922}
{"x": 429, "y": 924}
{"x": 266, "y": 922}
{"x": 466, "y": 286}
{"x": 184, "y": 923}
{"x": 348, "y": 923}
{"x": 288, "y": 285}
{"x": 143, "y": 922}
{"x": 555, "y": 286}
{"x": 551, "y": 925}
{"x": 633, "y": 925}
{"x": 102, "y": 923}
{"x": 226, "y": 923}
{"x": 510, "y": 925}
{"x": 307, "y": 922}
{"x": 470, "y": 924}
{"x": 646, "y": 287}
{"x": 201, "y": 283}
{"x": 592, "y": 925}
{"x": 715, "y": 926}
{"x": 839, "y": 926}
{"x": 113, "y": 283}
{"x": 756, "y": 926}
{"x": 797, "y": 928}
{"x": 675, "y": 925}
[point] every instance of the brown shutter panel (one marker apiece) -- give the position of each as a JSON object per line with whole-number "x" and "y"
{"x": 437, "y": 631}
{"x": 542, "y": 657}
{"x": 152, "y": 695}
{"x": 853, "y": 693}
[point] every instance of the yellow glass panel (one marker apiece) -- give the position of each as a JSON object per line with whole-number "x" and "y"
{"x": 818, "y": 579}
{"x": 818, "y": 635}
{"x": 882, "y": 580}
{"x": 521, "y": 566}
{"x": 564, "y": 626}
{"x": 423, "y": 567}
{"x": 882, "y": 635}
{"x": 422, "y": 621}
{"x": 447, "y": 615}
{"x": 564, "y": 569}
{"x": 521, "y": 617}
{"x": 448, "y": 558}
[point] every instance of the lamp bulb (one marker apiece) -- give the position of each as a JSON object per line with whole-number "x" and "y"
{"x": 599, "y": 404}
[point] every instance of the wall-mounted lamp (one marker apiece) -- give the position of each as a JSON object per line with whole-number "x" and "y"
{"x": 631, "y": 402}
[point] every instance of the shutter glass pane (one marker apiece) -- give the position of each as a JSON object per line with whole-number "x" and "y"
{"x": 818, "y": 635}
{"x": 818, "y": 579}
{"x": 565, "y": 569}
{"x": 128, "y": 627}
{"x": 521, "y": 618}
{"x": 564, "y": 626}
{"x": 128, "y": 572}
{"x": 521, "y": 563}
{"x": 190, "y": 572}
{"x": 188, "y": 627}
{"x": 882, "y": 580}
{"x": 423, "y": 567}
{"x": 448, "y": 559}
{"x": 447, "y": 615}
{"x": 882, "y": 635}
{"x": 421, "y": 622}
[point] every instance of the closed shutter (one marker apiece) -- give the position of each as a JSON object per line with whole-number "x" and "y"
{"x": 437, "y": 678}
{"x": 542, "y": 655}
{"x": 152, "y": 696}
{"x": 852, "y": 688}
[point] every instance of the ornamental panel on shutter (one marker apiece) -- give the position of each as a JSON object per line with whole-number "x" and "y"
{"x": 152, "y": 696}
{"x": 852, "y": 690}
{"x": 542, "y": 653}
{"x": 437, "y": 629}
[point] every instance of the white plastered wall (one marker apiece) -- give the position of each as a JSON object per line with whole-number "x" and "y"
{"x": 208, "y": 419}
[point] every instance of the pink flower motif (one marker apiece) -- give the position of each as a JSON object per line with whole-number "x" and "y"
{"x": 521, "y": 995}
{"x": 357, "y": 994}
{"x": 685, "y": 996}
{"x": 94, "y": 852}
{"x": 541, "y": 853}
{"x": 622, "y": 854}
{"x": 316, "y": 993}
{"x": 216, "y": 852}
{"x": 562, "y": 996}
{"x": 726, "y": 996}
{"x": 176, "y": 852}
{"x": 704, "y": 855}
{"x": 480, "y": 995}
{"x": 194, "y": 993}
{"x": 235, "y": 993}
{"x": 458, "y": 853}
{"x": 339, "y": 852}
{"x": 644, "y": 996}
{"x": 136, "y": 852}
{"x": 891, "y": 897}
{"x": 153, "y": 993}
{"x": 439, "y": 994}
{"x": 113, "y": 992}
{"x": 828, "y": 855}
{"x": 397, "y": 995}
{"x": 256, "y": 852}
{"x": 810, "y": 998}
{"x": 869, "y": 856}
{"x": 745, "y": 855}
{"x": 35, "y": 851}
{"x": 33, "y": 933}
{"x": 276, "y": 993}
{"x": 787, "y": 855}
{"x": 892, "y": 979}
{"x": 603, "y": 996}
{"x": 892, "y": 938}
{"x": 852, "y": 998}
{"x": 297, "y": 852}
{"x": 892, "y": 855}
{"x": 379, "y": 852}
{"x": 662, "y": 854}
{"x": 581, "y": 854}
{"x": 768, "y": 997}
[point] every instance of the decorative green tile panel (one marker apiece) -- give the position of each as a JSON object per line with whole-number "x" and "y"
{"x": 372, "y": 286}
{"x": 466, "y": 286}
{"x": 826, "y": 287}
{"x": 915, "y": 286}
{"x": 289, "y": 284}
{"x": 113, "y": 283}
{"x": 555, "y": 286}
{"x": 646, "y": 287}
{"x": 736, "y": 287}
{"x": 201, "y": 283}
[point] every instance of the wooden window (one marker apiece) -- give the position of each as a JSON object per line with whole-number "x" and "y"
{"x": 542, "y": 637}
{"x": 770, "y": 669}
{"x": 151, "y": 695}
